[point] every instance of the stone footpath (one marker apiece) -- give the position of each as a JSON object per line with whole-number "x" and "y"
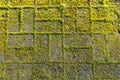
{"x": 59, "y": 39}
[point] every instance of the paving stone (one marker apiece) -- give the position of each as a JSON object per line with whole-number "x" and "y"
{"x": 71, "y": 71}
{"x": 77, "y": 40}
{"x": 41, "y": 71}
{"x": 19, "y": 54}
{"x": 56, "y": 51}
{"x": 82, "y": 55}
{"x": 13, "y": 25}
{"x": 83, "y": 20}
{"x": 85, "y": 72}
{"x": 100, "y": 48}
{"x": 28, "y": 20}
{"x": 49, "y": 13}
{"x": 102, "y": 13}
{"x": 20, "y": 40}
{"x": 107, "y": 70}
{"x": 113, "y": 46}
{"x": 25, "y": 71}
{"x": 48, "y": 26}
{"x": 11, "y": 71}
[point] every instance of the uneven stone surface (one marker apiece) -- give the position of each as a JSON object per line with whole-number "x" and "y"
{"x": 59, "y": 39}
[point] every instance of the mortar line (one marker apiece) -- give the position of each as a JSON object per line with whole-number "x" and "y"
{"x": 93, "y": 65}
{"x": 65, "y": 33}
{"x": 49, "y": 53}
{"x": 34, "y": 31}
{"x": 76, "y": 17}
{"x": 4, "y": 69}
{"x": 34, "y": 38}
{"x": 49, "y": 44}
{"x": 90, "y": 19}
{"x": 39, "y": 6}
{"x": 63, "y": 55}
{"x": 77, "y": 21}
{"x": 20, "y": 19}
{"x": 6, "y": 40}
{"x": 18, "y": 70}
{"x": 62, "y": 25}
{"x": 107, "y": 48}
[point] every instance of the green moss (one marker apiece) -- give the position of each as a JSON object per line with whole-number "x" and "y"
{"x": 59, "y": 39}
{"x": 103, "y": 13}
{"x": 62, "y": 7}
{"x": 104, "y": 27}
{"x": 76, "y": 2}
{"x": 2, "y": 70}
{"x": 47, "y": 13}
{"x": 42, "y": 2}
{"x": 77, "y": 54}
{"x": 100, "y": 48}
{"x": 83, "y": 20}
{"x": 113, "y": 45}
{"x": 19, "y": 55}
{"x": 48, "y": 26}
{"x": 3, "y": 2}
{"x": 106, "y": 70}
{"x": 3, "y": 26}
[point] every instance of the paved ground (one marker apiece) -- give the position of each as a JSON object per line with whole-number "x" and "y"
{"x": 59, "y": 40}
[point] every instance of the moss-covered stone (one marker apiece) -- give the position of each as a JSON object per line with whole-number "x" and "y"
{"x": 107, "y": 71}
{"x": 42, "y": 2}
{"x": 41, "y": 53}
{"x": 100, "y": 48}
{"x": 114, "y": 46}
{"x": 20, "y": 40}
{"x": 83, "y": 20}
{"x": 77, "y": 40}
{"x": 104, "y": 27}
{"x": 71, "y": 71}
{"x": 2, "y": 26}
{"x": 25, "y": 71}
{"x": 85, "y": 71}
{"x": 19, "y": 55}
{"x": 59, "y": 40}
{"x": 81, "y": 55}
{"x": 27, "y": 22}
{"x": 11, "y": 71}
{"x": 48, "y": 13}
{"x": 13, "y": 23}
{"x": 48, "y": 26}
{"x": 41, "y": 71}
{"x": 102, "y": 13}
{"x": 56, "y": 50}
